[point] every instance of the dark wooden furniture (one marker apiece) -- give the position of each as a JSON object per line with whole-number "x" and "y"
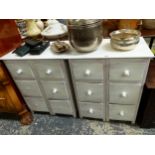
{"x": 146, "y": 113}
{"x": 10, "y": 38}
{"x": 148, "y": 34}
{"x": 11, "y": 100}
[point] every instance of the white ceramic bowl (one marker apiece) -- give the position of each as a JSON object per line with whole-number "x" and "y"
{"x": 54, "y": 31}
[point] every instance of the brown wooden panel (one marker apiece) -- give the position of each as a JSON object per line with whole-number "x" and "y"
{"x": 11, "y": 100}
{"x": 9, "y": 36}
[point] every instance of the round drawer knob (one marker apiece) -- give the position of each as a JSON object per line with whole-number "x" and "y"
{"x": 55, "y": 90}
{"x": 91, "y": 110}
{"x": 126, "y": 73}
{"x": 19, "y": 71}
{"x": 89, "y": 92}
{"x": 48, "y": 71}
{"x": 124, "y": 94}
{"x": 121, "y": 113}
{"x": 87, "y": 72}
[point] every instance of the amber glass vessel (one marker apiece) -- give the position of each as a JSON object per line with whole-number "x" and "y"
{"x": 9, "y": 36}
{"x": 128, "y": 23}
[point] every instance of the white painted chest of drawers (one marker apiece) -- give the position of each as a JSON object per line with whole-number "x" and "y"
{"x": 44, "y": 85}
{"x": 105, "y": 84}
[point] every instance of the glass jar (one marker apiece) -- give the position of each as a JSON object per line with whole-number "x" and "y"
{"x": 85, "y": 35}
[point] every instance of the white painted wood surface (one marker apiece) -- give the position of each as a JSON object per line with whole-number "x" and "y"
{"x": 124, "y": 93}
{"x": 127, "y": 70}
{"x": 61, "y": 107}
{"x": 122, "y": 112}
{"x": 36, "y": 104}
{"x": 40, "y": 89}
{"x": 92, "y": 110}
{"x": 104, "y": 51}
{"x": 115, "y": 71}
{"x": 90, "y": 92}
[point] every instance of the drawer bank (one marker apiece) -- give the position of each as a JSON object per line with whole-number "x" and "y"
{"x": 104, "y": 84}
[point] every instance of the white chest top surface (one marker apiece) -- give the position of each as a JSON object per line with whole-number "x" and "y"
{"x": 104, "y": 51}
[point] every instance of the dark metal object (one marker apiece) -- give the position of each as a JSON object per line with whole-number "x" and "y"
{"x": 85, "y": 35}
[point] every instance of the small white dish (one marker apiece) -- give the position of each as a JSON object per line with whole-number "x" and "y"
{"x": 55, "y": 30}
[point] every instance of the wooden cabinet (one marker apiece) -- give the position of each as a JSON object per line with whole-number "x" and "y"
{"x": 9, "y": 36}
{"x": 10, "y": 99}
{"x": 126, "y": 80}
{"x": 116, "y": 90}
{"x": 89, "y": 84}
{"x": 146, "y": 112}
{"x": 104, "y": 84}
{"x": 44, "y": 85}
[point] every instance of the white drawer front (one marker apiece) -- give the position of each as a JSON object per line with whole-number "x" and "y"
{"x": 61, "y": 107}
{"x": 92, "y": 110}
{"x": 124, "y": 93}
{"x": 88, "y": 69}
{"x": 20, "y": 70}
{"x": 127, "y": 70}
{"x": 28, "y": 87}
{"x": 121, "y": 112}
{"x": 92, "y": 92}
{"x": 36, "y": 104}
{"x": 55, "y": 89}
{"x": 49, "y": 69}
